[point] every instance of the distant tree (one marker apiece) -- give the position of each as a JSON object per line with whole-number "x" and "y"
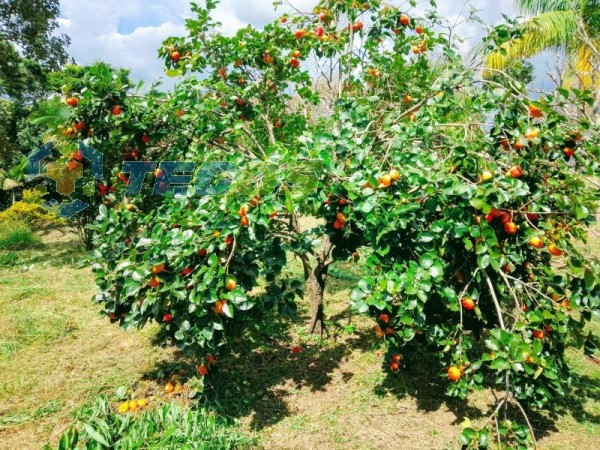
{"x": 28, "y": 46}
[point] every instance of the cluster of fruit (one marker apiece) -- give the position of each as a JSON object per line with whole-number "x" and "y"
{"x": 133, "y": 405}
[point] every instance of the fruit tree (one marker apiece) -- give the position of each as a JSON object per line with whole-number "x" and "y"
{"x": 462, "y": 198}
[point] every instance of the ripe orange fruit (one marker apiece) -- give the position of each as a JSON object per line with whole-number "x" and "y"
{"x": 515, "y": 171}
{"x": 394, "y": 175}
{"x": 510, "y": 228}
{"x": 536, "y": 242}
{"x": 146, "y": 139}
{"x": 255, "y": 200}
{"x": 79, "y": 125}
{"x": 218, "y": 308}
{"x": 394, "y": 366}
{"x": 404, "y": 19}
{"x": 566, "y": 304}
{"x": 378, "y": 331}
{"x": 216, "y": 234}
{"x": 116, "y": 110}
{"x": 231, "y": 284}
{"x": 268, "y": 59}
{"x": 72, "y": 101}
{"x": 341, "y": 217}
{"x": 385, "y": 180}
{"x": 295, "y": 63}
{"x": 554, "y": 250}
{"x": 229, "y": 240}
{"x": 536, "y": 112}
{"x": 72, "y": 165}
{"x": 384, "y": 318}
{"x": 169, "y": 387}
{"x": 203, "y": 370}
{"x": 390, "y": 330}
{"x": 468, "y": 303}
{"x": 296, "y": 54}
{"x": 454, "y": 373}
{"x": 338, "y": 224}
{"x": 124, "y": 407}
{"x": 159, "y": 268}
{"x": 299, "y": 34}
{"x": 210, "y": 359}
{"x": 397, "y": 357}
{"x": 419, "y": 29}
{"x": 569, "y": 151}
{"x": 154, "y": 282}
{"x": 175, "y": 56}
{"x": 142, "y": 403}
{"x": 243, "y": 210}
{"x": 538, "y": 334}
{"x": 416, "y": 50}
{"x": 532, "y": 133}
{"x": 222, "y": 71}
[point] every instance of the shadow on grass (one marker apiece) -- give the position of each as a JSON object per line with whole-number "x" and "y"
{"x": 262, "y": 371}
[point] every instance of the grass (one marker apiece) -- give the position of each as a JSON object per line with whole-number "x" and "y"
{"x": 15, "y": 236}
{"x": 56, "y": 355}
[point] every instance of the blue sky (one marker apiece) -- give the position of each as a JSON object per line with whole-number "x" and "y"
{"x": 127, "y": 33}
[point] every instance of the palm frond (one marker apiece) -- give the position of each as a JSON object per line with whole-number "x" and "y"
{"x": 549, "y": 31}
{"x": 52, "y": 114}
{"x": 535, "y": 7}
{"x": 582, "y": 69}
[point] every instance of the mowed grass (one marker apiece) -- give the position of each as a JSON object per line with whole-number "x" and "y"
{"x": 57, "y": 354}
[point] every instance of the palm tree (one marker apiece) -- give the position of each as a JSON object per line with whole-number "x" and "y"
{"x": 568, "y": 26}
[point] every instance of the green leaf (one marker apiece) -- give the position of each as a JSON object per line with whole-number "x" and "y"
{"x": 93, "y": 434}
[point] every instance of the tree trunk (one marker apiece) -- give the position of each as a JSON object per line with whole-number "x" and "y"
{"x": 315, "y": 286}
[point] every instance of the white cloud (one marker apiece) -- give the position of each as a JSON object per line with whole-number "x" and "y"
{"x": 127, "y": 33}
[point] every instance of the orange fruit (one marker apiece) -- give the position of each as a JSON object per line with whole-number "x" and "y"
{"x": 394, "y": 366}
{"x": 510, "y": 228}
{"x": 404, "y": 19}
{"x": 210, "y": 359}
{"x": 378, "y": 331}
{"x": 536, "y": 112}
{"x": 538, "y": 334}
{"x": 218, "y": 308}
{"x": 554, "y": 250}
{"x": 244, "y": 221}
{"x": 468, "y": 303}
{"x": 159, "y": 268}
{"x": 231, "y": 284}
{"x": 394, "y": 175}
{"x": 536, "y": 242}
{"x": 385, "y": 180}
{"x": 454, "y": 373}
{"x": 203, "y": 370}
{"x": 169, "y": 387}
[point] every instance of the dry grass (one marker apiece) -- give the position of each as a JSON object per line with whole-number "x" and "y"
{"x": 56, "y": 354}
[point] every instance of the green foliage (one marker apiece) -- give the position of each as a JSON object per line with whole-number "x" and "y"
{"x": 437, "y": 179}
{"x": 167, "y": 426}
{"x": 16, "y": 236}
{"x": 30, "y": 212}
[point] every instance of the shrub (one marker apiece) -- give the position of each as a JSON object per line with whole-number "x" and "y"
{"x": 168, "y": 426}
{"x": 29, "y": 211}
{"x": 17, "y": 236}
